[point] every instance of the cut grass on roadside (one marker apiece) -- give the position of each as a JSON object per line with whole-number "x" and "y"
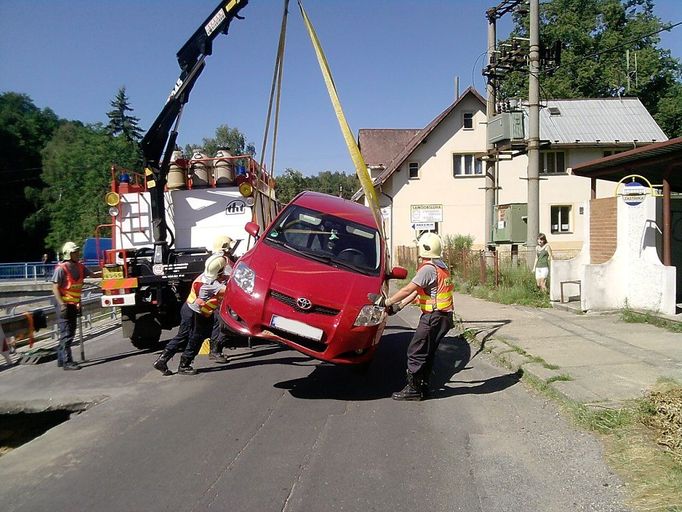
{"x": 642, "y": 440}
{"x": 634, "y": 317}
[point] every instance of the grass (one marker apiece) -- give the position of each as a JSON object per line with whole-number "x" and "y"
{"x": 630, "y": 316}
{"x": 642, "y": 440}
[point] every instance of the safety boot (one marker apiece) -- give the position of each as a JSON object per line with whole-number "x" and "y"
{"x": 218, "y": 357}
{"x": 412, "y": 390}
{"x": 185, "y": 367}
{"x": 161, "y": 363}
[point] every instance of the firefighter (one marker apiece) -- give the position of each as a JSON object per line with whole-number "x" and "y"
{"x": 67, "y": 283}
{"x": 196, "y": 318}
{"x": 433, "y": 284}
{"x": 223, "y": 246}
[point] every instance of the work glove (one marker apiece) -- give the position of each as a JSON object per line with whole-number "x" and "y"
{"x": 393, "y": 309}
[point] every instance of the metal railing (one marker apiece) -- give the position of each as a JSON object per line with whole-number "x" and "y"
{"x": 35, "y": 271}
{"x": 92, "y": 312}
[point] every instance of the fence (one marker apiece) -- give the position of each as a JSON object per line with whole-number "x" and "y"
{"x": 27, "y": 270}
{"x": 479, "y": 266}
{"x": 13, "y": 315}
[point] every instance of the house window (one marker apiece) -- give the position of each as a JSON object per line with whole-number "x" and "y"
{"x": 467, "y": 165}
{"x": 413, "y": 168}
{"x": 468, "y": 120}
{"x": 552, "y": 162}
{"x": 561, "y": 219}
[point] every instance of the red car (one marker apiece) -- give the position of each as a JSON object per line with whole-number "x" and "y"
{"x": 306, "y": 280}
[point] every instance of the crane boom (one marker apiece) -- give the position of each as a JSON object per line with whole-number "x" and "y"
{"x": 159, "y": 141}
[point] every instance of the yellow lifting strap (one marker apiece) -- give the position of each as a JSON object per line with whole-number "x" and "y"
{"x": 356, "y": 156}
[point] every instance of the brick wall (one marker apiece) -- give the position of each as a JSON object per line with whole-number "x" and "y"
{"x": 603, "y": 220}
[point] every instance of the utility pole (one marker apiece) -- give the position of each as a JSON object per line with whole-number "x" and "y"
{"x": 490, "y": 182}
{"x": 496, "y": 67}
{"x": 533, "y": 175}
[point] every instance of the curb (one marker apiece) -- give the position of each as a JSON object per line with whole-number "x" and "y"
{"x": 532, "y": 368}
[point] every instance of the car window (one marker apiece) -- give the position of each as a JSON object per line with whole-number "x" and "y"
{"x": 323, "y": 237}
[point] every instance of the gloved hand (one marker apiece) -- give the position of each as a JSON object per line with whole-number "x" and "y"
{"x": 393, "y": 309}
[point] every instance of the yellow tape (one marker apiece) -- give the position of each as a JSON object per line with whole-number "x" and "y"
{"x": 356, "y": 156}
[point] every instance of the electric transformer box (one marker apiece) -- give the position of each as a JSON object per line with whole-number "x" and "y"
{"x": 507, "y": 126}
{"x": 511, "y": 225}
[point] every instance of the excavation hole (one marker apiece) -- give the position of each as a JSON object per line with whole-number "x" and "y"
{"x": 21, "y": 427}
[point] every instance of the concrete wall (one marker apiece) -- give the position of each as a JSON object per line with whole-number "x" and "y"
{"x": 634, "y": 276}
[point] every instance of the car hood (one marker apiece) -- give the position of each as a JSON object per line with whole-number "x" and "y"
{"x": 296, "y": 276}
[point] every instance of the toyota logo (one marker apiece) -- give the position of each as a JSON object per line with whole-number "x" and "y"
{"x": 304, "y": 303}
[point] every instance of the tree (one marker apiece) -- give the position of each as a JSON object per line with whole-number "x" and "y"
{"x": 76, "y": 172}
{"x": 596, "y": 37}
{"x": 120, "y": 123}
{"x": 289, "y": 184}
{"x": 24, "y": 131}
{"x": 335, "y": 183}
{"x": 292, "y": 182}
{"x": 225, "y": 138}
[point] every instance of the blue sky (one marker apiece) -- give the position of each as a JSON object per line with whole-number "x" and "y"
{"x": 394, "y": 63}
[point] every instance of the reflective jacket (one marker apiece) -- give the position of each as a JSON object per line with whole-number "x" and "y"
{"x": 444, "y": 290}
{"x": 206, "y": 306}
{"x": 71, "y": 293}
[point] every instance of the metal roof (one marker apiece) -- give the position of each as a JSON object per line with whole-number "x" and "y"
{"x": 650, "y": 161}
{"x": 597, "y": 120}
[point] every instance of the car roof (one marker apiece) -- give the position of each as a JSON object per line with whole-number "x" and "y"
{"x": 336, "y": 206}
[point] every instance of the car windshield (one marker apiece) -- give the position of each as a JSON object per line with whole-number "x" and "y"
{"x": 326, "y": 238}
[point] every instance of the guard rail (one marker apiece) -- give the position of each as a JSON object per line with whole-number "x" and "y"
{"x": 14, "y": 314}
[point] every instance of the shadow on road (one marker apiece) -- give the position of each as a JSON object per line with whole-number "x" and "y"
{"x": 489, "y": 327}
{"x": 386, "y": 373}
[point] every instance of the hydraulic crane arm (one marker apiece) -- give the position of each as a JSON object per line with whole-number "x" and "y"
{"x": 159, "y": 141}
{"x": 191, "y": 60}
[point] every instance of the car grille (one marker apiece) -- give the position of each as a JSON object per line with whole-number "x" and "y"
{"x": 291, "y": 301}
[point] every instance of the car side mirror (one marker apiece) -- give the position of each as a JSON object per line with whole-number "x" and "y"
{"x": 252, "y": 229}
{"x": 398, "y": 273}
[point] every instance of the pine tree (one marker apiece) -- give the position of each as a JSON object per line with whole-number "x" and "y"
{"x": 120, "y": 123}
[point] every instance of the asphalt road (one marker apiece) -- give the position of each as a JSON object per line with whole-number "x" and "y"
{"x": 276, "y": 431}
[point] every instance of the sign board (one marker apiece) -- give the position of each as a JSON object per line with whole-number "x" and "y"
{"x": 634, "y": 192}
{"x": 424, "y": 226}
{"x": 426, "y": 213}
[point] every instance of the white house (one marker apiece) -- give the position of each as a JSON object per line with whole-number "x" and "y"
{"x": 433, "y": 178}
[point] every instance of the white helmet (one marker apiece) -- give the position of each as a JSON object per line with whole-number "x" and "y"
{"x": 222, "y": 243}
{"x": 67, "y": 249}
{"x": 430, "y": 246}
{"x": 214, "y": 266}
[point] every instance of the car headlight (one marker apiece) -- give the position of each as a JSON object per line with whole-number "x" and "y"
{"x": 244, "y": 277}
{"x": 370, "y": 315}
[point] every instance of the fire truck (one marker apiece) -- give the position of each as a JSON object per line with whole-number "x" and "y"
{"x": 164, "y": 221}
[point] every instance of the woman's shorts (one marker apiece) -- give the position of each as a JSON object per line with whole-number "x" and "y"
{"x": 541, "y": 272}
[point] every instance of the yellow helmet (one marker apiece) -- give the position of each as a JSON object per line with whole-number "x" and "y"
{"x": 67, "y": 249}
{"x": 214, "y": 266}
{"x": 430, "y": 246}
{"x": 222, "y": 243}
